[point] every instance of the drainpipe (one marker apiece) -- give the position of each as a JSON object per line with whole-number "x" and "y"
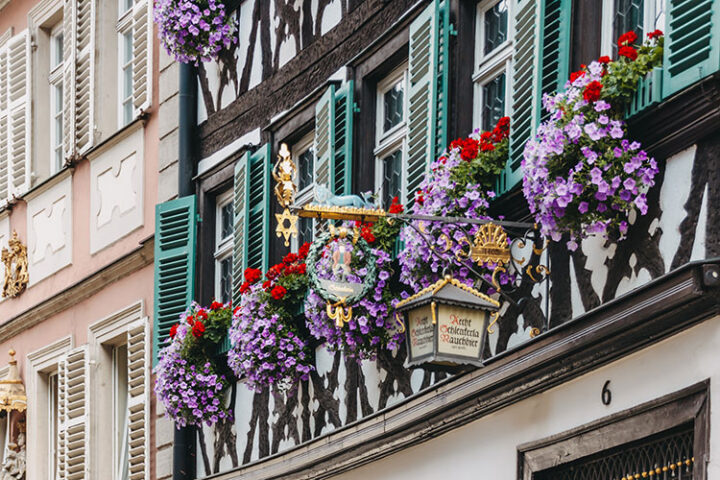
{"x": 184, "y": 439}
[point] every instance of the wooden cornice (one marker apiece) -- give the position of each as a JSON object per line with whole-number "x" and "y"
{"x": 83, "y": 289}
{"x": 659, "y": 309}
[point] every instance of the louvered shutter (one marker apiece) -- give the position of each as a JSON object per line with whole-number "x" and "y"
{"x": 73, "y": 415}
{"x": 69, "y": 52}
{"x": 428, "y": 67}
{"x": 555, "y": 47}
{"x": 323, "y": 143}
{"x": 175, "y": 233}
{"x": 138, "y": 400}
{"x": 142, "y": 56}
{"x": 525, "y": 103}
{"x": 257, "y": 208}
{"x": 240, "y": 188}
{"x": 84, "y": 74}
{"x": 18, "y": 106}
{"x": 4, "y": 147}
{"x": 692, "y": 43}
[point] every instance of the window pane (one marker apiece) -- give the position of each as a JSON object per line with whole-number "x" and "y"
{"x": 127, "y": 81}
{"x": 628, "y": 16}
{"x": 53, "y": 422}
{"x": 393, "y": 101}
{"x": 127, "y": 47}
{"x": 226, "y": 279}
{"x": 496, "y": 23}
{"x": 57, "y": 47}
{"x": 392, "y": 178}
{"x": 226, "y": 220}
{"x": 127, "y": 112}
{"x": 305, "y": 169}
{"x": 493, "y": 97}
{"x": 120, "y": 355}
{"x": 305, "y": 230}
{"x": 58, "y": 98}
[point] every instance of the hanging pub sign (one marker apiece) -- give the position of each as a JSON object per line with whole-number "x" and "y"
{"x": 446, "y": 324}
{"x": 342, "y": 270}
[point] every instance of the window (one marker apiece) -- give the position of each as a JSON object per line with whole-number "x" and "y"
{"x": 56, "y": 99}
{"x": 390, "y": 136}
{"x": 125, "y": 50}
{"x": 304, "y": 157}
{"x": 52, "y": 422}
{"x": 492, "y": 62}
{"x": 120, "y": 411}
{"x": 224, "y": 223}
{"x": 620, "y": 16}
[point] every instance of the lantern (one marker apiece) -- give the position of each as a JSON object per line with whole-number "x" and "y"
{"x": 446, "y": 324}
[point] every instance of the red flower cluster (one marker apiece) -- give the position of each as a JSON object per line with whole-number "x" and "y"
{"x": 604, "y": 59}
{"x": 592, "y": 91}
{"x": 469, "y": 148}
{"x": 252, "y": 275}
{"x": 655, "y": 34}
{"x": 396, "y": 206}
{"x": 215, "y": 305}
{"x": 173, "y": 330}
{"x": 419, "y": 197}
{"x": 625, "y": 45}
{"x": 366, "y": 233}
{"x": 278, "y": 292}
{"x": 575, "y": 75}
{"x": 201, "y": 315}
{"x": 198, "y": 329}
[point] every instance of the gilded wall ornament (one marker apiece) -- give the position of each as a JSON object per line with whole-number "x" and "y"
{"x": 285, "y": 189}
{"x": 16, "y": 267}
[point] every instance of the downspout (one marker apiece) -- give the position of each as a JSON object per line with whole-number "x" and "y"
{"x": 184, "y": 439}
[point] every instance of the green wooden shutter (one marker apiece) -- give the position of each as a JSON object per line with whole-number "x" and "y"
{"x": 555, "y": 47}
{"x": 524, "y": 101}
{"x": 175, "y": 234}
{"x": 333, "y": 138}
{"x": 240, "y": 188}
{"x": 428, "y": 67}
{"x": 692, "y": 43}
{"x": 257, "y": 208}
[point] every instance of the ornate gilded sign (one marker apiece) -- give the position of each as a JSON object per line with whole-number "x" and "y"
{"x": 16, "y": 267}
{"x": 285, "y": 189}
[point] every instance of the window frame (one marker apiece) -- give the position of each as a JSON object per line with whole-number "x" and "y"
{"x": 117, "y": 448}
{"x": 56, "y": 83}
{"x": 53, "y": 420}
{"x": 223, "y": 245}
{"x": 650, "y": 11}
{"x": 307, "y": 194}
{"x": 389, "y": 142}
{"x": 124, "y": 28}
{"x": 487, "y": 67}
{"x": 642, "y": 421}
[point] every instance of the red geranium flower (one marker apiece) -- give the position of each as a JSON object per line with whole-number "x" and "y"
{"x": 290, "y": 258}
{"x": 503, "y": 124}
{"x": 655, "y": 34}
{"x": 252, "y": 275}
{"x": 244, "y": 287}
{"x": 215, "y": 305}
{"x": 190, "y": 320}
{"x": 592, "y": 91}
{"x": 266, "y": 284}
{"x": 301, "y": 269}
{"x": 604, "y": 59}
{"x": 303, "y": 252}
{"x": 173, "y": 330}
{"x": 278, "y": 292}
{"x": 236, "y": 309}
{"x": 367, "y": 234}
{"x": 575, "y": 75}
{"x": 201, "y": 315}
{"x": 627, "y": 38}
{"x": 198, "y": 329}
{"x": 395, "y": 206}
{"x": 628, "y": 52}
{"x": 274, "y": 271}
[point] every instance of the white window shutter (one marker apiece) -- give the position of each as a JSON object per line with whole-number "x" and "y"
{"x": 18, "y": 106}
{"x": 4, "y": 147}
{"x": 69, "y": 36}
{"x": 73, "y": 396}
{"x": 139, "y": 348}
{"x": 142, "y": 56}
{"x": 84, "y": 74}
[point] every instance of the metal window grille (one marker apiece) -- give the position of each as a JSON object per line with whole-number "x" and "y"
{"x": 665, "y": 456}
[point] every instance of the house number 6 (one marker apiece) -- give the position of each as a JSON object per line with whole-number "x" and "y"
{"x": 606, "y": 395}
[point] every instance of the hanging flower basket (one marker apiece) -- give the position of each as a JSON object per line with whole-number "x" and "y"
{"x": 460, "y": 184}
{"x": 582, "y": 174}
{"x": 268, "y": 345}
{"x": 191, "y": 383}
{"x": 194, "y": 30}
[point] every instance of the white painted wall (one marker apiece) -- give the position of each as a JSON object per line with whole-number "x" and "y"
{"x": 487, "y": 448}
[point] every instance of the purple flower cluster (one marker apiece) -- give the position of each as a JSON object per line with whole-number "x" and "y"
{"x": 372, "y": 325}
{"x": 191, "y": 395}
{"x": 443, "y": 195}
{"x": 265, "y": 348}
{"x": 581, "y": 175}
{"x": 194, "y": 30}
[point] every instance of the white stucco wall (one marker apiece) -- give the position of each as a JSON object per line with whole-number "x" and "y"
{"x": 487, "y": 448}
